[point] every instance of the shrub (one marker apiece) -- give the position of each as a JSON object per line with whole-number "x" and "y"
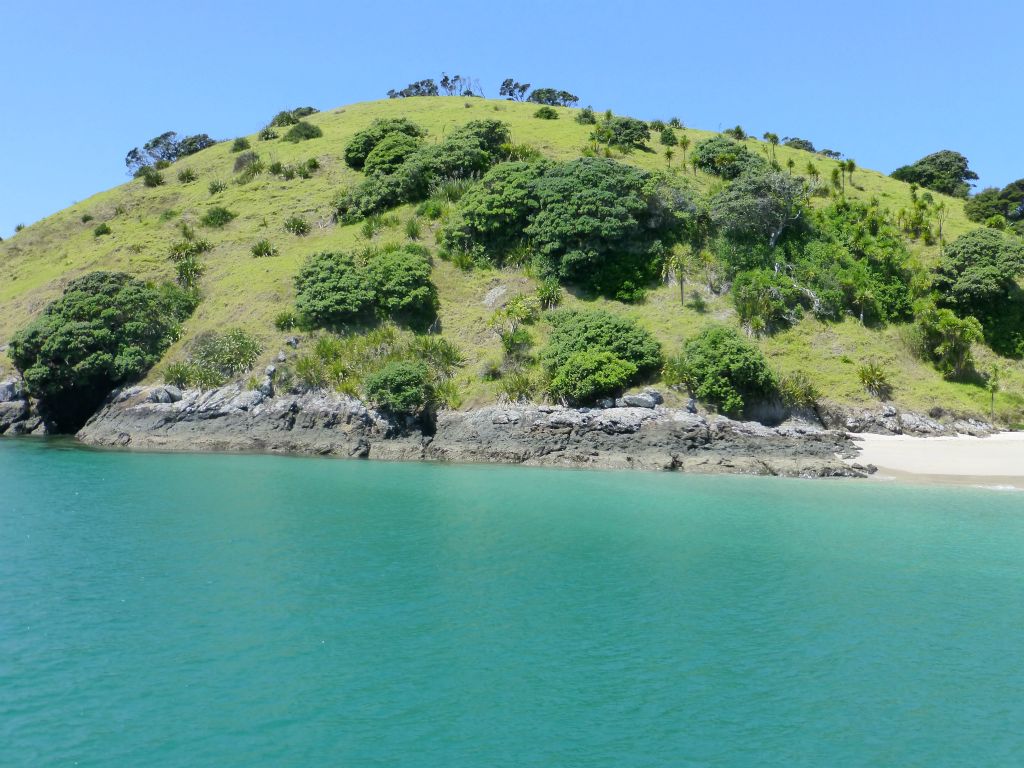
{"x": 263, "y": 248}
{"x": 399, "y": 387}
{"x": 874, "y": 378}
{"x": 332, "y": 290}
{"x": 229, "y": 353}
{"x": 244, "y": 160}
{"x": 106, "y": 329}
{"x": 288, "y": 117}
{"x": 549, "y": 293}
{"x": 285, "y": 320}
{"x": 766, "y": 301}
{"x": 239, "y": 144}
{"x": 267, "y": 134}
{"x": 591, "y": 374}
{"x": 151, "y": 177}
{"x": 217, "y": 186}
{"x": 296, "y": 225}
{"x": 275, "y": 168}
{"x": 520, "y": 153}
{"x": 431, "y": 209}
{"x": 517, "y": 386}
{"x": 947, "y": 339}
{"x": 217, "y": 217}
{"x": 390, "y": 152}
{"x": 360, "y": 145}
{"x": 187, "y": 176}
{"x": 721, "y": 367}
{"x": 86, "y": 218}
{"x": 546, "y": 113}
{"x": 586, "y": 116}
{"x": 626, "y": 133}
{"x": 596, "y": 330}
{"x": 101, "y": 229}
{"x": 598, "y": 223}
{"x": 413, "y": 229}
{"x": 723, "y": 157}
{"x": 798, "y": 391}
{"x": 303, "y": 131}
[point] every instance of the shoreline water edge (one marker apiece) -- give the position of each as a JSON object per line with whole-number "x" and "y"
{"x": 636, "y": 432}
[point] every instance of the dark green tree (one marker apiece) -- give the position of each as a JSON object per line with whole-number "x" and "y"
{"x": 946, "y": 172}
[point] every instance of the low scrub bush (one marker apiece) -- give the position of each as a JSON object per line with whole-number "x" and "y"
{"x": 303, "y": 131}
{"x": 591, "y": 354}
{"x": 101, "y": 229}
{"x": 214, "y": 359}
{"x": 217, "y": 186}
{"x": 187, "y": 176}
{"x": 239, "y": 144}
{"x": 362, "y": 144}
{"x": 721, "y": 367}
{"x": 401, "y": 387}
{"x": 297, "y": 226}
{"x": 390, "y": 152}
{"x": 244, "y": 160}
{"x": 86, "y": 218}
{"x": 151, "y": 177}
{"x": 285, "y": 320}
{"x": 263, "y": 249}
{"x": 217, "y": 217}
{"x": 591, "y": 374}
{"x": 267, "y": 134}
{"x": 798, "y": 391}
{"x": 875, "y": 379}
{"x": 546, "y": 113}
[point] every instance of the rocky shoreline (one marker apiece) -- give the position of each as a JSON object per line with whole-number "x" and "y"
{"x": 635, "y": 432}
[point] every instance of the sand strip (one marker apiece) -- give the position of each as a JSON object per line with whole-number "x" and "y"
{"x": 994, "y": 461}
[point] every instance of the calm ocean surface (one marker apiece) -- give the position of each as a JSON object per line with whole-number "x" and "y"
{"x": 201, "y": 610}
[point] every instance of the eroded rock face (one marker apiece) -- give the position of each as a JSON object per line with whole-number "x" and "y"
{"x": 18, "y": 415}
{"x": 886, "y": 419}
{"x": 631, "y": 437}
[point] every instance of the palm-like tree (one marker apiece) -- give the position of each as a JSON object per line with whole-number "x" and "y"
{"x": 773, "y": 142}
{"x": 675, "y": 266}
{"x": 791, "y": 164}
{"x": 812, "y": 170}
{"x": 684, "y": 144}
{"x": 669, "y": 154}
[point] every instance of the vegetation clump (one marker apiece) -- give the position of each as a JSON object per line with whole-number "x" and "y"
{"x": 726, "y": 158}
{"x": 360, "y": 145}
{"x": 595, "y": 354}
{"x": 217, "y": 217}
{"x": 339, "y": 289}
{"x": 593, "y": 222}
{"x": 720, "y": 367}
{"x": 302, "y": 131}
{"x": 946, "y": 172}
{"x": 106, "y": 329}
{"x": 214, "y": 359}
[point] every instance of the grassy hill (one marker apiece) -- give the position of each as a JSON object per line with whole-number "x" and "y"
{"x": 239, "y": 290}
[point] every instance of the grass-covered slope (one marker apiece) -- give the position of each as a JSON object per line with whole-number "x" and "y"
{"x": 240, "y": 290}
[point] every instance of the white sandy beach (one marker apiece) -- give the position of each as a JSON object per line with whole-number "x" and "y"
{"x": 995, "y": 460}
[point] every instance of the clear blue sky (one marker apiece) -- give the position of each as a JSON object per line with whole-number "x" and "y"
{"x": 883, "y": 82}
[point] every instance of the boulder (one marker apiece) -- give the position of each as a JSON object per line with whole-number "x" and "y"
{"x": 10, "y": 390}
{"x": 641, "y": 400}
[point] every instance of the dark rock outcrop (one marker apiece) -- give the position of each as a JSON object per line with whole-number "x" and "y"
{"x": 646, "y": 437}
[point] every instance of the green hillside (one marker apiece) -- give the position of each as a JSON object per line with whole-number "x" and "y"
{"x": 240, "y": 290}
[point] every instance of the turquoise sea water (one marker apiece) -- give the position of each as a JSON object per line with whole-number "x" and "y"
{"x": 199, "y": 610}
